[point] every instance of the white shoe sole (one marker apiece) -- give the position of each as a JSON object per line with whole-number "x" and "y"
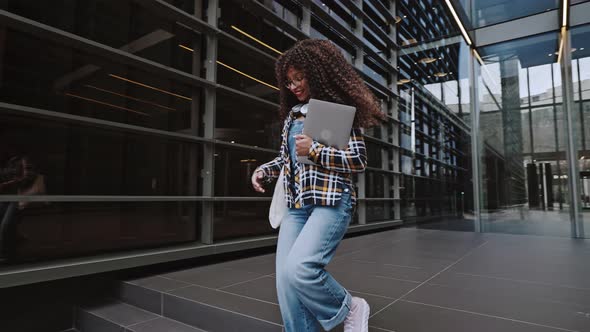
{"x": 366, "y": 313}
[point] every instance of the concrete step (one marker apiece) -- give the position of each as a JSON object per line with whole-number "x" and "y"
{"x": 111, "y": 315}
{"x": 202, "y": 307}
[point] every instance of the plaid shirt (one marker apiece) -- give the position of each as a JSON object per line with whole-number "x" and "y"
{"x": 321, "y": 183}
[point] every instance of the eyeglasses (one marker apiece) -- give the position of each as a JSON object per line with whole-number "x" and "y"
{"x": 295, "y": 82}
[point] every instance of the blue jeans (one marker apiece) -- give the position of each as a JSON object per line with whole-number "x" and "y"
{"x": 307, "y": 293}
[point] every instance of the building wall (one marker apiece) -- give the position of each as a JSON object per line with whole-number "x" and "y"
{"x": 147, "y": 118}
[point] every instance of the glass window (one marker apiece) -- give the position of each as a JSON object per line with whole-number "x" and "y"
{"x": 544, "y": 133}
{"x": 518, "y": 183}
{"x": 247, "y": 123}
{"x": 120, "y": 24}
{"x": 239, "y": 22}
{"x": 379, "y": 211}
{"x": 374, "y": 155}
{"x": 245, "y": 71}
{"x": 72, "y": 82}
{"x": 234, "y": 168}
{"x": 82, "y": 160}
{"x": 68, "y": 229}
{"x": 240, "y": 220}
{"x": 581, "y": 82}
{"x": 485, "y": 12}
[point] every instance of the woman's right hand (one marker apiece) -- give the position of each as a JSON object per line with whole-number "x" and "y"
{"x": 256, "y": 181}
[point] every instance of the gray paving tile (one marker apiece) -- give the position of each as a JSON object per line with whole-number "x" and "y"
{"x": 364, "y": 283}
{"x": 214, "y": 276}
{"x": 546, "y": 292}
{"x": 258, "y": 309}
{"x": 162, "y": 325}
{"x": 263, "y": 265}
{"x": 375, "y": 302}
{"x": 119, "y": 313}
{"x": 222, "y": 318}
{"x": 262, "y": 289}
{"x": 387, "y": 255}
{"x": 506, "y": 305}
{"x": 410, "y": 317}
{"x": 523, "y": 267}
{"x": 411, "y": 273}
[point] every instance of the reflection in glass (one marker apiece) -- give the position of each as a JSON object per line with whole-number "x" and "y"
{"x": 66, "y": 229}
{"x": 523, "y": 167}
{"x": 379, "y": 211}
{"x": 247, "y": 123}
{"x": 68, "y": 81}
{"x": 581, "y": 81}
{"x": 234, "y": 168}
{"x": 241, "y": 219}
{"x": 120, "y": 24}
{"x": 485, "y": 12}
{"x": 82, "y": 160}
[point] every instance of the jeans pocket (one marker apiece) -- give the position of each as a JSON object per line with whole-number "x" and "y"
{"x": 346, "y": 197}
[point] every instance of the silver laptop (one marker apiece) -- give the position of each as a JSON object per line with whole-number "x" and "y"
{"x": 328, "y": 123}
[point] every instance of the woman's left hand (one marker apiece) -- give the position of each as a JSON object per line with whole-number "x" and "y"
{"x": 302, "y": 145}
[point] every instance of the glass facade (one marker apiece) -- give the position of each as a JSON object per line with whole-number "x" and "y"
{"x": 145, "y": 119}
{"x": 433, "y": 109}
{"x": 530, "y": 130}
{"x": 522, "y": 131}
{"x": 581, "y": 110}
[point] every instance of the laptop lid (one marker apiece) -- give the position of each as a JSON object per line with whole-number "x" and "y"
{"x": 328, "y": 123}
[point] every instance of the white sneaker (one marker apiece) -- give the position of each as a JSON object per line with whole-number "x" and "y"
{"x": 357, "y": 319}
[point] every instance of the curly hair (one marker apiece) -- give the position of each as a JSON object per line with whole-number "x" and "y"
{"x": 330, "y": 78}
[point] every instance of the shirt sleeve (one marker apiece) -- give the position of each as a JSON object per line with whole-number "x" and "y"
{"x": 272, "y": 169}
{"x": 351, "y": 160}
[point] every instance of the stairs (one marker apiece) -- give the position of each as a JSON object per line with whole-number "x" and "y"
{"x": 209, "y": 298}
{"x": 238, "y": 295}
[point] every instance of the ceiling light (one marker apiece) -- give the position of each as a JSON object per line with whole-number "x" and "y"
{"x": 149, "y": 87}
{"x": 248, "y": 76}
{"x": 403, "y": 81}
{"x": 581, "y": 48}
{"x": 106, "y": 104}
{"x": 561, "y": 42}
{"x": 239, "y": 72}
{"x": 440, "y": 74}
{"x": 478, "y": 57}
{"x": 410, "y": 41}
{"x": 574, "y": 49}
{"x": 129, "y": 97}
{"x": 186, "y": 48}
{"x": 428, "y": 60}
{"x": 256, "y": 40}
{"x": 463, "y": 31}
{"x": 564, "y": 15}
{"x": 550, "y": 54}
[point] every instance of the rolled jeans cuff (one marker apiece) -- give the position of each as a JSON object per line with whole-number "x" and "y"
{"x": 331, "y": 323}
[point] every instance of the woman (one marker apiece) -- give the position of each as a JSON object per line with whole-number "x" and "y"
{"x": 18, "y": 174}
{"x": 320, "y": 197}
